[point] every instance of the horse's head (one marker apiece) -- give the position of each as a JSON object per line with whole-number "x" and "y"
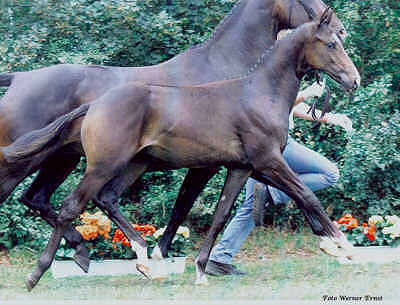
{"x": 298, "y": 12}
{"x": 324, "y": 51}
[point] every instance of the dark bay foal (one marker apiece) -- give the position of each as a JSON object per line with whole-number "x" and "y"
{"x": 241, "y": 124}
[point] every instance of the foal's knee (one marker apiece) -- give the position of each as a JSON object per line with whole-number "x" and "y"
{"x": 68, "y": 212}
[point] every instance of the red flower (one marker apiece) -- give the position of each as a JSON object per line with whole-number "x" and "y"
{"x": 371, "y": 232}
{"x": 147, "y": 230}
{"x": 348, "y": 221}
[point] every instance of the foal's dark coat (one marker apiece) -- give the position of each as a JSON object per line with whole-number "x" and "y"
{"x": 241, "y": 124}
{"x": 36, "y": 98}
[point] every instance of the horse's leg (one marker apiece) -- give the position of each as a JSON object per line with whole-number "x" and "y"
{"x": 72, "y": 206}
{"x": 194, "y": 183}
{"x": 92, "y": 183}
{"x": 37, "y": 197}
{"x": 275, "y": 171}
{"x": 234, "y": 181}
{"x": 107, "y": 201}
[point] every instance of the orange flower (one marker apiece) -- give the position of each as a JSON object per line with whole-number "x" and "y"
{"x": 371, "y": 232}
{"x": 88, "y": 232}
{"x": 364, "y": 225}
{"x": 147, "y": 230}
{"x": 89, "y": 219}
{"x": 348, "y": 221}
{"x": 352, "y": 224}
{"x": 104, "y": 226}
{"x": 119, "y": 237}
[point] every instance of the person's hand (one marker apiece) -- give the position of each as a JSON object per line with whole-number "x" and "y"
{"x": 341, "y": 120}
{"x": 315, "y": 90}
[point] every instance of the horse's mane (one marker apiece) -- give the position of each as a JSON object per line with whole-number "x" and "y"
{"x": 220, "y": 27}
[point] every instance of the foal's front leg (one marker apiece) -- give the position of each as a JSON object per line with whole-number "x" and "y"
{"x": 107, "y": 200}
{"x": 275, "y": 171}
{"x": 234, "y": 181}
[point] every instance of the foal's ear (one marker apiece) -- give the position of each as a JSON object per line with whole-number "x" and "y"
{"x": 326, "y": 16}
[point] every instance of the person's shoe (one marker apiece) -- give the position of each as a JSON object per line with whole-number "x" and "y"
{"x": 217, "y": 269}
{"x": 262, "y": 199}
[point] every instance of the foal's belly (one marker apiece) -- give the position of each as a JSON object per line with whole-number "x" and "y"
{"x": 179, "y": 152}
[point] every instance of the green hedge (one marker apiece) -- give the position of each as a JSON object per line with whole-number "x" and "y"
{"x": 144, "y": 32}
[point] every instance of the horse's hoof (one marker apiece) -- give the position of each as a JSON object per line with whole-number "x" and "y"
{"x": 347, "y": 247}
{"x": 329, "y": 247}
{"x": 201, "y": 281}
{"x": 157, "y": 254}
{"x": 30, "y": 283}
{"x": 83, "y": 262}
{"x": 144, "y": 270}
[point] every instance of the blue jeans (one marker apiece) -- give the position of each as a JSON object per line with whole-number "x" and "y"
{"x": 313, "y": 169}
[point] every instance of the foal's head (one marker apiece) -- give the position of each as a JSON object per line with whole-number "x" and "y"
{"x": 324, "y": 51}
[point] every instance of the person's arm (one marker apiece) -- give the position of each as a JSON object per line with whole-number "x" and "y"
{"x": 301, "y": 110}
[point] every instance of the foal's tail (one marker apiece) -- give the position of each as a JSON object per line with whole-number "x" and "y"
{"x": 6, "y": 79}
{"x": 42, "y": 140}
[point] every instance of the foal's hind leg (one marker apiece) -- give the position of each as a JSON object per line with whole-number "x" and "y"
{"x": 194, "y": 183}
{"x": 72, "y": 206}
{"x": 92, "y": 183}
{"x": 233, "y": 184}
{"x": 52, "y": 173}
{"x": 275, "y": 171}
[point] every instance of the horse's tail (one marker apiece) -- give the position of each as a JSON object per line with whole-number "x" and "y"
{"x": 42, "y": 140}
{"x": 6, "y": 79}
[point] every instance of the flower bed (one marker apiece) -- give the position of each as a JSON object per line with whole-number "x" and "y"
{"x": 378, "y": 231}
{"x": 68, "y": 268}
{"x": 376, "y": 241}
{"x": 105, "y": 241}
{"x": 111, "y": 253}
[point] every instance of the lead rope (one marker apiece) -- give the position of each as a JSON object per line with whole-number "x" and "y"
{"x": 325, "y": 104}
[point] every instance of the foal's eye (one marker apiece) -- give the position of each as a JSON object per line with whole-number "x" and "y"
{"x": 331, "y": 45}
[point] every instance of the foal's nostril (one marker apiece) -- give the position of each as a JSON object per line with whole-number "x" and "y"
{"x": 355, "y": 85}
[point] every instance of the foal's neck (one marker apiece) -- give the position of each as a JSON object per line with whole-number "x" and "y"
{"x": 283, "y": 69}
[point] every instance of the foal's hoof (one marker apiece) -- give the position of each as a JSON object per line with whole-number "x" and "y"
{"x": 144, "y": 270}
{"x": 83, "y": 262}
{"x": 202, "y": 281}
{"x": 329, "y": 246}
{"x": 337, "y": 247}
{"x": 30, "y": 283}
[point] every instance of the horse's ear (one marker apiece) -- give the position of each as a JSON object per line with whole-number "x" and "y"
{"x": 326, "y": 16}
{"x": 309, "y": 10}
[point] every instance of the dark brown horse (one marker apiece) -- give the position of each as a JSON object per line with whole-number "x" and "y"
{"x": 38, "y": 97}
{"x": 241, "y": 124}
